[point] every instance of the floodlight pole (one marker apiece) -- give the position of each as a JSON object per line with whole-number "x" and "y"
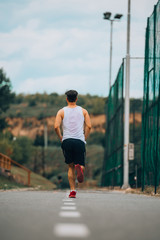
{"x": 110, "y": 62}
{"x": 117, "y": 17}
{"x": 127, "y": 107}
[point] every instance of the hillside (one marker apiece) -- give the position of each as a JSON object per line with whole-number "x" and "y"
{"x": 23, "y": 138}
{"x": 19, "y": 180}
{"x": 28, "y": 113}
{"x": 30, "y": 127}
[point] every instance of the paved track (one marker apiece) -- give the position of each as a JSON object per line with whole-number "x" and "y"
{"x": 93, "y": 215}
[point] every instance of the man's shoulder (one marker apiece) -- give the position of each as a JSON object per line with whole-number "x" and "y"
{"x": 84, "y": 111}
{"x": 61, "y": 111}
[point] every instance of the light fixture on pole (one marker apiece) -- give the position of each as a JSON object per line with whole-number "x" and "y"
{"x": 107, "y": 16}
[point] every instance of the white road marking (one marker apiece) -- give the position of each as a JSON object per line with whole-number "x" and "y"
{"x": 69, "y": 203}
{"x": 68, "y": 208}
{"x": 71, "y": 230}
{"x": 67, "y": 200}
{"x": 69, "y": 214}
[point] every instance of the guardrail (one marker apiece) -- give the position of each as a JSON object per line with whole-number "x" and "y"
{"x": 6, "y": 162}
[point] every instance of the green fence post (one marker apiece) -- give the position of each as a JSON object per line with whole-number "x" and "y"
{"x": 154, "y": 83}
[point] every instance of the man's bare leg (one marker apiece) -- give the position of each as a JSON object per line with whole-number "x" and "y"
{"x": 71, "y": 176}
{"x": 80, "y": 175}
{"x": 82, "y": 167}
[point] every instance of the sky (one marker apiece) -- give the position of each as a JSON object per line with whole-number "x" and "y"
{"x": 56, "y": 45}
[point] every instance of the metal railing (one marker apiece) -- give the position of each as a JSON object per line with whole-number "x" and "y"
{"x": 6, "y": 163}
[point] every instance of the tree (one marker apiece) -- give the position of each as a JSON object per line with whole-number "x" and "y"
{"x": 39, "y": 140}
{"x": 22, "y": 150}
{"x": 6, "y": 96}
{"x": 6, "y": 147}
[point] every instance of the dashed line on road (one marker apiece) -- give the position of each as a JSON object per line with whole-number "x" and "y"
{"x": 69, "y": 203}
{"x": 69, "y": 208}
{"x": 69, "y": 214}
{"x": 71, "y": 230}
{"x": 67, "y": 200}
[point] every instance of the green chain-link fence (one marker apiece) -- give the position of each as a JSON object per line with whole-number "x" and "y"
{"x": 112, "y": 174}
{"x": 151, "y": 103}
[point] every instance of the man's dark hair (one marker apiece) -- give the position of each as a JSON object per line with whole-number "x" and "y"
{"x": 71, "y": 95}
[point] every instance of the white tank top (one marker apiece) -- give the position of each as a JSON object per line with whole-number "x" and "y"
{"x": 73, "y": 123}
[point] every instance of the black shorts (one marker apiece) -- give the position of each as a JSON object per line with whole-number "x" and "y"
{"x": 74, "y": 151}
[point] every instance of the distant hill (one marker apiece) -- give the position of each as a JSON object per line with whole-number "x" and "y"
{"x": 28, "y": 113}
{"x": 30, "y": 127}
{"x": 26, "y": 119}
{"x": 44, "y": 105}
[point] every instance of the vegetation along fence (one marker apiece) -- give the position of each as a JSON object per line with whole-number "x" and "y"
{"x": 151, "y": 103}
{"x": 112, "y": 173}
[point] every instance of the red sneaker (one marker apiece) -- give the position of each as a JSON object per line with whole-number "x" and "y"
{"x": 80, "y": 175}
{"x": 72, "y": 194}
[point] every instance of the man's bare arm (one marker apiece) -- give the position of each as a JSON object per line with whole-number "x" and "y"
{"x": 88, "y": 125}
{"x": 58, "y": 121}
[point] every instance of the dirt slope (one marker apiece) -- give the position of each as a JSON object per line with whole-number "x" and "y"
{"x": 31, "y": 126}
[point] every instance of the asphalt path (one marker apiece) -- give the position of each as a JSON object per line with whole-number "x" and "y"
{"x": 44, "y": 215}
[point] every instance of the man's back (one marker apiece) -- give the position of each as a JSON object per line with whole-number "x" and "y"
{"x": 73, "y": 123}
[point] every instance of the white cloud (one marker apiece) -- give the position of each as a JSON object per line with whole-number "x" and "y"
{"x": 73, "y": 6}
{"x": 136, "y": 77}
{"x": 32, "y": 42}
{"x": 52, "y": 84}
{"x": 12, "y": 68}
{"x": 47, "y": 43}
{"x": 76, "y": 50}
{"x": 33, "y": 24}
{"x": 94, "y": 63}
{"x": 138, "y": 8}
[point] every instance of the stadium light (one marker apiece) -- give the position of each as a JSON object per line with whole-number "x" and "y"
{"x": 107, "y": 16}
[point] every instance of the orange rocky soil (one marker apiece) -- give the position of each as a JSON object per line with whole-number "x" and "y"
{"x": 30, "y": 127}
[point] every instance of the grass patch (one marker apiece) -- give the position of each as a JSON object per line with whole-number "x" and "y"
{"x": 6, "y": 183}
{"x": 37, "y": 181}
{"x": 21, "y": 179}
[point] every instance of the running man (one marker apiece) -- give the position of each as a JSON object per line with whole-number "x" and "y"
{"x": 76, "y": 128}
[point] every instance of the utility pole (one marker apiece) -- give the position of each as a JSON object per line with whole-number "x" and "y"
{"x": 127, "y": 106}
{"x": 45, "y": 136}
{"x": 44, "y": 148}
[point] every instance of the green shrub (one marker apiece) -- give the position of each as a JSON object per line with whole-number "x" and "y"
{"x": 61, "y": 180}
{"x": 22, "y": 150}
{"x": 96, "y": 138}
{"x": 32, "y": 103}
